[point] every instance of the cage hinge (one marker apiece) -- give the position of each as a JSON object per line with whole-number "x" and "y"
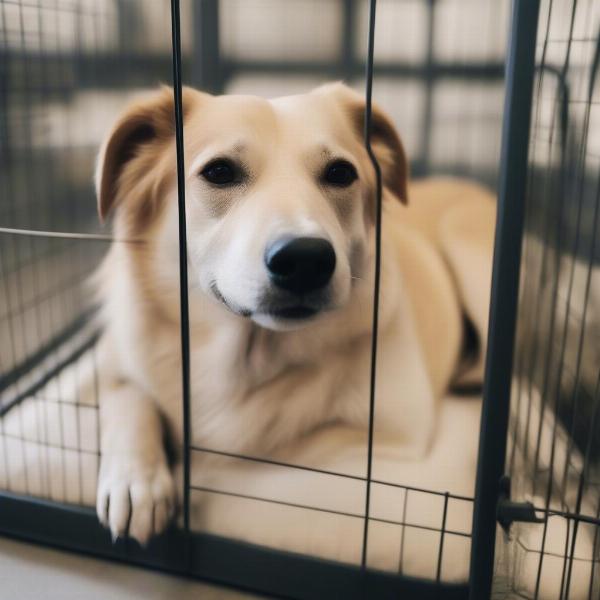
{"x": 508, "y": 511}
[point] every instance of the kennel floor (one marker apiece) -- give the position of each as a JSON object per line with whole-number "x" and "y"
{"x": 30, "y": 572}
{"x": 49, "y": 456}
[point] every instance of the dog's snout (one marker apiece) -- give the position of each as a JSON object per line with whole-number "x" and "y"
{"x": 300, "y": 265}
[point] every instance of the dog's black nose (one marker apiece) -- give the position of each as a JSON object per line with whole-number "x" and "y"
{"x": 300, "y": 265}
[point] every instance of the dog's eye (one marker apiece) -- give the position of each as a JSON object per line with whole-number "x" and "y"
{"x": 340, "y": 173}
{"x": 219, "y": 172}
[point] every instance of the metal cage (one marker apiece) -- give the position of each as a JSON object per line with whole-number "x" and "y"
{"x": 63, "y": 60}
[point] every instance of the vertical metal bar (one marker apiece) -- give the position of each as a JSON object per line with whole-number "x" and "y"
{"x": 404, "y": 509}
{"x": 565, "y": 562}
{"x": 505, "y": 288}
{"x": 583, "y": 479}
{"x": 5, "y": 130}
{"x": 206, "y": 73}
{"x": 595, "y": 549}
{"x": 438, "y": 573}
{"x": 378, "y": 191}
{"x": 183, "y": 281}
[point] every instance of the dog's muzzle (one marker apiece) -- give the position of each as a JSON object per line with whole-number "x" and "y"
{"x": 299, "y": 271}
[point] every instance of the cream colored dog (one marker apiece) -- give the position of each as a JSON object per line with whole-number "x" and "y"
{"x": 280, "y": 202}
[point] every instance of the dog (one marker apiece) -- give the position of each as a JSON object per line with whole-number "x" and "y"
{"x": 280, "y": 203}
{"x": 281, "y": 242}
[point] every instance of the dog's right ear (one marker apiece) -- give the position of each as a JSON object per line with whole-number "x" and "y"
{"x": 150, "y": 119}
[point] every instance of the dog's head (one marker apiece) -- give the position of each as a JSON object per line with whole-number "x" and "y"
{"x": 280, "y": 194}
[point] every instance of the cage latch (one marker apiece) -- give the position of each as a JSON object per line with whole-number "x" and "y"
{"x": 508, "y": 511}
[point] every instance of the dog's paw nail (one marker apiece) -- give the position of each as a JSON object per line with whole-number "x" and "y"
{"x": 138, "y": 502}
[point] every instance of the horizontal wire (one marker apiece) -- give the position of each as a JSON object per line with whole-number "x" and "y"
{"x": 43, "y": 400}
{"x": 277, "y": 463}
{"x": 25, "y": 440}
{"x": 571, "y": 516}
{"x": 341, "y": 513}
{"x": 99, "y": 237}
{"x": 553, "y": 554}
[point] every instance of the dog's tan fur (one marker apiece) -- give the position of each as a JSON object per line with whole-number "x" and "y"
{"x": 260, "y": 388}
{"x": 254, "y": 389}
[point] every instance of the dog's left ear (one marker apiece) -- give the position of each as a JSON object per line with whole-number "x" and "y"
{"x": 149, "y": 121}
{"x": 385, "y": 142}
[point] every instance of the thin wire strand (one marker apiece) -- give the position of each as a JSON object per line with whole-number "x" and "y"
{"x": 277, "y": 463}
{"x": 378, "y": 198}
{"x": 341, "y": 513}
{"x": 69, "y": 236}
{"x": 403, "y": 533}
{"x": 594, "y": 554}
{"x": 183, "y": 281}
{"x": 441, "y": 548}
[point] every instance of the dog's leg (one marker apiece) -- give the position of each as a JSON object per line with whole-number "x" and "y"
{"x": 136, "y": 492}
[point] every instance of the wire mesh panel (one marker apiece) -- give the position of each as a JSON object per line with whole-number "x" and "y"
{"x": 553, "y": 440}
{"x": 68, "y": 69}
{"x": 430, "y": 58}
{"x": 42, "y": 172}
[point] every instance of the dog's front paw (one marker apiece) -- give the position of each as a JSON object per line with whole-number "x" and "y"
{"x": 135, "y": 500}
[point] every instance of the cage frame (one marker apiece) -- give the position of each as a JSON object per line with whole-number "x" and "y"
{"x": 281, "y": 574}
{"x": 504, "y": 293}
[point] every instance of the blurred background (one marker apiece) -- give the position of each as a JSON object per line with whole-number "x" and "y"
{"x": 68, "y": 67}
